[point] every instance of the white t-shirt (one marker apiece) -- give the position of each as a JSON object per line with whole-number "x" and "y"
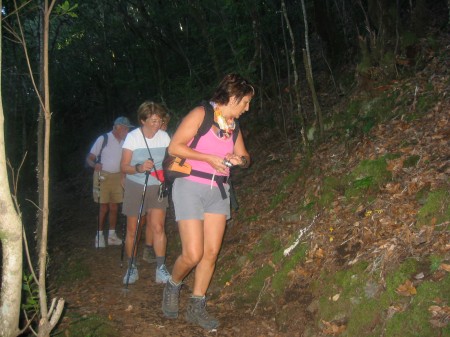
{"x": 111, "y": 154}
{"x": 157, "y": 145}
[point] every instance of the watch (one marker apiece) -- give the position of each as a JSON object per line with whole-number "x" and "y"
{"x": 136, "y": 167}
{"x": 244, "y": 161}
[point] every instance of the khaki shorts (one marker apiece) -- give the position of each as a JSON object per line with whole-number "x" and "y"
{"x": 110, "y": 188}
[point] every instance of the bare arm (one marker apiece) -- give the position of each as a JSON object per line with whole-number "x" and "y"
{"x": 240, "y": 155}
{"x": 186, "y": 131}
{"x": 127, "y": 168}
{"x": 90, "y": 160}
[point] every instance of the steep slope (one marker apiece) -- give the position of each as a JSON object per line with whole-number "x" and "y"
{"x": 350, "y": 238}
{"x": 353, "y": 238}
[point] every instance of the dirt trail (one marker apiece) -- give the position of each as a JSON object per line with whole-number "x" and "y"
{"x": 136, "y": 312}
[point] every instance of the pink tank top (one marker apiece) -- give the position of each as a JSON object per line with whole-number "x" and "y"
{"x": 210, "y": 143}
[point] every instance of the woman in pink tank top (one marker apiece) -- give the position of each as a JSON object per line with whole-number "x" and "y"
{"x": 202, "y": 203}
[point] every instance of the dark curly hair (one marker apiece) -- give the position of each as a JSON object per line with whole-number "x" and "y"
{"x": 232, "y": 85}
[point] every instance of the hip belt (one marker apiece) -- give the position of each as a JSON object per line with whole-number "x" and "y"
{"x": 220, "y": 180}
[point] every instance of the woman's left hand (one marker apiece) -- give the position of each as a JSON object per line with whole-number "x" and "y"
{"x": 234, "y": 159}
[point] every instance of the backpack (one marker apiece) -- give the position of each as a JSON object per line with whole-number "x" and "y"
{"x": 206, "y": 125}
{"x": 99, "y": 157}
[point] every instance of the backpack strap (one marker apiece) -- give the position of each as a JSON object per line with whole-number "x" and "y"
{"x": 105, "y": 142}
{"x": 207, "y": 123}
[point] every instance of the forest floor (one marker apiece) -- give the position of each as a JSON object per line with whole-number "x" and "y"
{"x": 380, "y": 230}
{"x": 90, "y": 280}
{"x": 97, "y": 302}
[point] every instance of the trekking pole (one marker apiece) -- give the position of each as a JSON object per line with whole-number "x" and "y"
{"x": 99, "y": 209}
{"x": 124, "y": 233}
{"x": 136, "y": 232}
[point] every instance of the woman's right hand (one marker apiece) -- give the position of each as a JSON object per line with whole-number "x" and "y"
{"x": 217, "y": 164}
{"x": 146, "y": 166}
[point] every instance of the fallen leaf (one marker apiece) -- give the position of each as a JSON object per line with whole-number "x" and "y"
{"x": 336, "y": 297}
{"x": 440, "y": 315}
{"x": 445, "y": 266}
{"x": 406, "y": 289}
{"x": 332, "y": 328}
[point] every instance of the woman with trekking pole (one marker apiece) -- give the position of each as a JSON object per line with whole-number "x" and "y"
{"x": 201, "y": 200}
{"x": 142, "y": 154}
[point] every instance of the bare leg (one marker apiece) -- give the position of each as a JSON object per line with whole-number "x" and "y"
{"x": 148, "y": 235}
{"x": 213, "y": 229}
{"x": 102, "y": 213}
{"x": 113, "y": 210}
{"x": 131, "y": 231}
{"x": 155, "y": 221}
{"x": 191, "y": 234}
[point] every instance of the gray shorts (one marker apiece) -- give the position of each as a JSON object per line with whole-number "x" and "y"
{"x": 192, "y": 200}
{"x": 133, "y": 197}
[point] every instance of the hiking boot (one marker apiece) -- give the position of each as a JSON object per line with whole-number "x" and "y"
{"x": 113, "y": 240}
{"x": 134, "y": 275}
{"x": 149, "y": 255}
{"x": 100, "y": 241}
{"x": 162, "y": 275}
{"x": 171, "y": 295}
{"x": 196, "y": 313}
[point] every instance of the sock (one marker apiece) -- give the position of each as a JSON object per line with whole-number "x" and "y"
{"x": 172, "y": 282}
{"x": 198, "y": 297}
{"x": 99, "y": 233}
{"x": 134, "y": 264}
{"x": 149, "y": 247}
{"x": 160, "y": 261}
{"x": 112, "y": 232}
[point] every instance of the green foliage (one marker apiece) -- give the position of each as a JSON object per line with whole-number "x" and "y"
{"x": 437, "y": 207}
{"x": 66, "y": 9}
{"x": 30, "y": 295}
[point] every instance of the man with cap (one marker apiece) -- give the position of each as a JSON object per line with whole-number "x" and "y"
{"x": 104, "y": 158}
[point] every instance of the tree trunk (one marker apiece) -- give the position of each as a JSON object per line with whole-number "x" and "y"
{"x": 296, "y": 82}
{"x": 49, "y": 317}
{"x": 11, "y": 237}
{"x": 309, "y": 73}
{"x": 40, "y": 131}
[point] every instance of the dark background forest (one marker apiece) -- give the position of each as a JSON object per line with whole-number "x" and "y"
{"x": 106, "y": 57}
{"x": 377, "y": 96}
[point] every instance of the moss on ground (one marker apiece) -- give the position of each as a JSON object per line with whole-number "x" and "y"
{"x": 86, "y": 326}
{"x": 252, "y": 287}
{"x": 436, "y": 209}
{"x": 281, "y": 278}
{"x": 367, "y": 177}
{"x": 74, "y": 270}
{"x": 385, "y": 312}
